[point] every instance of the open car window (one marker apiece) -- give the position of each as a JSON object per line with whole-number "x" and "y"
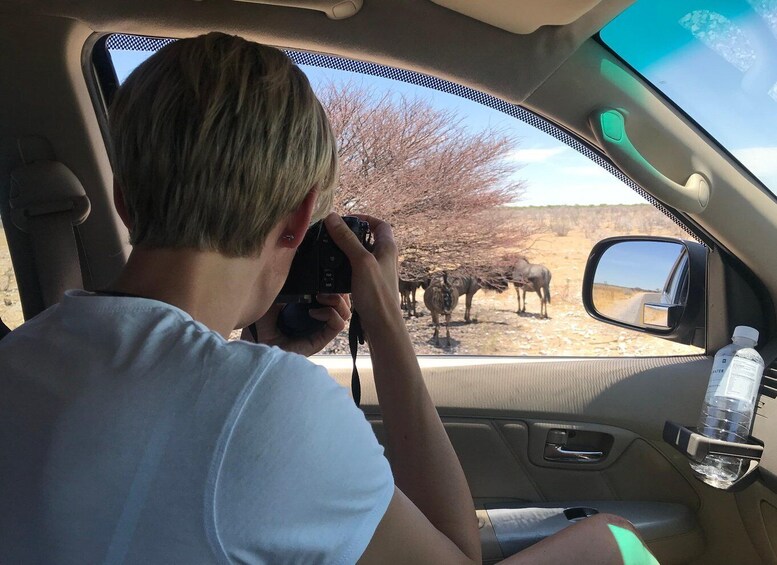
{"x": 471, "y": 185}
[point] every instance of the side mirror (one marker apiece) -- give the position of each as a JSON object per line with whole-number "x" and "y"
{"x": 654, "y": 285}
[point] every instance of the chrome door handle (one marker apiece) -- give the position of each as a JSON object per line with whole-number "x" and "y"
{"x": 556, "y": 452}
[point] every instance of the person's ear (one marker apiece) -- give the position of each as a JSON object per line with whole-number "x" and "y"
{"x": 120, "y": 204}
{"x": 297, "y": 223}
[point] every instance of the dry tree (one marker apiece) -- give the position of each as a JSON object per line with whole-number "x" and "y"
{"x": 441, "y": 185}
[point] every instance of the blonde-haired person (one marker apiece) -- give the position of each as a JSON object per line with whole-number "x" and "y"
{"x": 132, "y": 431}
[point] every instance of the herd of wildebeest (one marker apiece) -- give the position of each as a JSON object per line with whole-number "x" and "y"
{"x": 443, "y": 290}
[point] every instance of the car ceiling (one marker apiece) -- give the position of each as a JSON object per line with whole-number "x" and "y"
{"x": 418, "y": 35}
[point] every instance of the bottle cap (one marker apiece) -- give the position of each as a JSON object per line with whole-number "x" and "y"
{"x": 746, "y": 332}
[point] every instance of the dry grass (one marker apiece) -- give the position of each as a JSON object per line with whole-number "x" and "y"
{"x": 605, "y": 296}
{"x": 598, "y": 222}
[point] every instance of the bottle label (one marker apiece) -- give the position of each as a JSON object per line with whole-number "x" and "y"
{"x": 719, "y": 367}
{"x": 735, "y": 377}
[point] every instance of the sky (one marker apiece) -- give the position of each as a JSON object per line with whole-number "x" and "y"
{"x": 702, "y": 59}
{"x": 555, "y": 174}
{"x": 638, "y": 264}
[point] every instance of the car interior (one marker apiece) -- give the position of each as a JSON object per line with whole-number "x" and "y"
{"x": 544, "y": 441}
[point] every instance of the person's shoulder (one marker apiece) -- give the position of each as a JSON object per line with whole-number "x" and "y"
{"x": 215, "y": 350}
{"x": 291, "y": 370}
{"x": 277, "y": 368}
{"x": 238, "y": 349}
{"x": 287, "y": 384}
{"x": 35, "y": 327}
{"x": 298, "y": 406}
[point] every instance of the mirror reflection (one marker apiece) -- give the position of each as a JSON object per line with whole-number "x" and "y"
{"x": 642, "y": 283}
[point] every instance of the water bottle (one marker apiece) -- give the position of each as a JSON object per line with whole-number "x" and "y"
{"x": 727, "y": 413}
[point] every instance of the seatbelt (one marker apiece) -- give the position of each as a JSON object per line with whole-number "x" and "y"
{"x": 4, "y": 330}
{"x": 47, "y": 201}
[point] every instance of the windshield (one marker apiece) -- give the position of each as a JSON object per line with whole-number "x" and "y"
{"x": 717, "y": 60}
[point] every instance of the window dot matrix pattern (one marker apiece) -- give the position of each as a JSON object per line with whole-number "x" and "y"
{"x": 153, "y": 44}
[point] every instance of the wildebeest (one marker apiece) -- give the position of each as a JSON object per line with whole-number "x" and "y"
{"x": 441, "y": 297}
{"x": 407, "y": 290}
{"x": 528, "y": 276}
{"x": 468, "y": 285}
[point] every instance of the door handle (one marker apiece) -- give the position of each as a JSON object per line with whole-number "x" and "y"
{"x": 556, "y": 452}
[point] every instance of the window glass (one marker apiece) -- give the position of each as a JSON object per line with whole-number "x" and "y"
{"x": 719, "y": 64}
{"x": 469, "y": 190}
{"x": 10, "y": 304}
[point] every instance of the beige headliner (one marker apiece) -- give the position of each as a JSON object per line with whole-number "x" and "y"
{"x": 522, "y": 16}
{"x": 414, "y": 34}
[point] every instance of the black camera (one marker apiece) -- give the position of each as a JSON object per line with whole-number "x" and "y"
{"x": 319, "y": 265}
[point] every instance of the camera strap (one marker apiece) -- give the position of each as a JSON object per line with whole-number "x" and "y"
{"x": 355, "y": 338}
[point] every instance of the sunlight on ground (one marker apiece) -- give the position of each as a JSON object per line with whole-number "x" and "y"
{"x": 562, "y": 243}
{"x": 10, "y": 305}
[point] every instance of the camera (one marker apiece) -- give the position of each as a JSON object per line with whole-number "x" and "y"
{"x": 319, "y": 266}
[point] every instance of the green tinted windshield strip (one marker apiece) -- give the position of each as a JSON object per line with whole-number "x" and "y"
{"x": 717, "y": 62}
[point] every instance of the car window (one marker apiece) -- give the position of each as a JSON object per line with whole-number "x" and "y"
{"x": 715, "y": 63}
{"x": 677, "y": 283}
{"x": 482, "y": 192}
{"x": 10, "y": 304}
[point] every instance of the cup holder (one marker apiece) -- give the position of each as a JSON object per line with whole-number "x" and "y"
{"x": 578, "y": 513}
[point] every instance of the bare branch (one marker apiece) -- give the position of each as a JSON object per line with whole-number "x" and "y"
{"x": 441, "y": 186}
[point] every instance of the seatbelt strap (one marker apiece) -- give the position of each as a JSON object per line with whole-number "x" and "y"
{"x": 47, "y": 201}
{"x": 4, "y": 330}
{"x": 355, "y": 338}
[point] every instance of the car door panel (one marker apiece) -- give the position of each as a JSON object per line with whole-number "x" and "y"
{"x": 758, "y": 507}
{"x": 498, "y": 413}
{"x": 636, "y": 394}
{"x": 528, "y": 499}
{"x": 672, "y": 528}
{"x": 494, "y": 456}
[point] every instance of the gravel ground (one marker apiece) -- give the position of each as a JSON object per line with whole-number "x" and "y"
{"x": 497, "y": 330}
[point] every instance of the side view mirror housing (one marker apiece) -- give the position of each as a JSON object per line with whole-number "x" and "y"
{"x": 654, "y": 285}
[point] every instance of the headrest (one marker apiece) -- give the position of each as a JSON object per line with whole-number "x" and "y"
{"x": 46, "y": 187}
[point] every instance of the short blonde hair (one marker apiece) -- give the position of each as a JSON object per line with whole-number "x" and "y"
{"x": 214, "y": 140}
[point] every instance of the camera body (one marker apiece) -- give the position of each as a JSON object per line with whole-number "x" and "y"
{"x": 319, "y": 266}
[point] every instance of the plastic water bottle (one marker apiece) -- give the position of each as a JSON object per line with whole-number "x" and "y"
{"x": 729, "y": 406}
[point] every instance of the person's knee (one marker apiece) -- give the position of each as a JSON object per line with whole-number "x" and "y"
{"x": 631, "y": 548}
{"x": 606, "y": 520}
{"x": 599, "y": 526}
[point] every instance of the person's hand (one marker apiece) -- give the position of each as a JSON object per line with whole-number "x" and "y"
{"x": 335, "y": 311}
{"x": 374, "y": 281}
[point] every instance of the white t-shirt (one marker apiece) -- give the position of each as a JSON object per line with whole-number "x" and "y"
{"x": 129, "y": 433}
